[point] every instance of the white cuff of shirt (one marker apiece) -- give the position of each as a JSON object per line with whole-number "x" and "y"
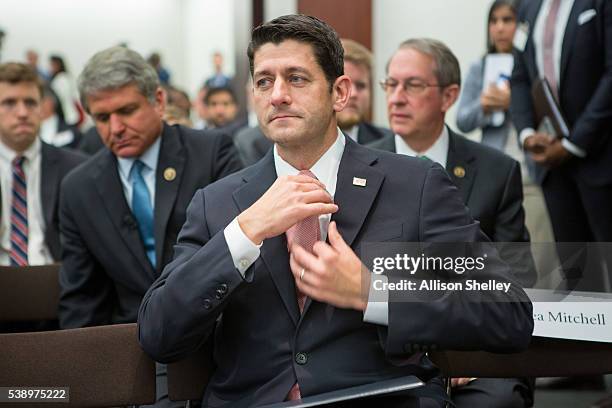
{"x": 572, "y": 148}
{"x": 244, "y": 252}
{"x": 377, "y": 312}
{"x": 525, "y": 133}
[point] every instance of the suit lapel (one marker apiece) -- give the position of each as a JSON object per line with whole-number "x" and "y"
{"x": 108, "y": 184}
{"x": 459, "y": 165}
{"x": 568, "y": 39}
{"x": 274, "y": 251}
{"x": 49, "y": 182}
{"x": 171, "y": 157}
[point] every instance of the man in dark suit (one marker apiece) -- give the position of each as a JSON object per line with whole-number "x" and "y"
{"x": 570, "y": 44}
{"x": 419, "y": 93}
{"x": 30, "y": 176}
{"x": 43, "y": 167}
{"x": 238, "y": 266}
{"x": 352, "y": 120}
{"x": 113, "y": 249}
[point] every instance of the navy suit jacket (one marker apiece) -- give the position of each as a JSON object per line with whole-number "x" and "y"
{"x": 105, "y": 270}
{"x": 258, "y": 330}
{"x": 585, "y": 86}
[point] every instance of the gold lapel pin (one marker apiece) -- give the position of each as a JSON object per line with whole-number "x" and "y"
{"x": 169, "y": 174}
{"x": 459, "y": 172}
{"x": 361, "y": 182}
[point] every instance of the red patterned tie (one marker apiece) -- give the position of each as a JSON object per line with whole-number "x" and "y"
{"x": 548, "y": 46}
{"x": 19, "y": 215}
{"x": 305, "y": 233}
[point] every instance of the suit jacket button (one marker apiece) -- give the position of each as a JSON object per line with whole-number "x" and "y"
{"x": 301, "y": 358}
{"x": 222, "y": 289}
{"x": 207, "y": 304}
{"x": 218, "y": 294}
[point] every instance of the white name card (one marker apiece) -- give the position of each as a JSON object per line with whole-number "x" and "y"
{"x": 577, "y": 315}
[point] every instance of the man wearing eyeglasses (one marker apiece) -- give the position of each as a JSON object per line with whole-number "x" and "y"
{"x": 422, "y": 83}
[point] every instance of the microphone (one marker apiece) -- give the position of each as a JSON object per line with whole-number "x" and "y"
{"x": 129, "y": 221}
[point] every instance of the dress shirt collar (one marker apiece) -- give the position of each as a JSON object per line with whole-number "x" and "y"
{"x": 438, "y": 152}
{"x": 31, "y": 153}
{"x": 149, "y": 159}
{"x": 326, "y": 168}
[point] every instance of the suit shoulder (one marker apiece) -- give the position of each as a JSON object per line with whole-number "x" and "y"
{"x": 201, "y": 138}
{"x": 487, "y": 155}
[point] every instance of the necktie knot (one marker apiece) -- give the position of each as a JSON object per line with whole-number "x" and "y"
{"x": 137, "y": 168}
{"x": 18, "y": 162}
{"x": 307, "y": 173}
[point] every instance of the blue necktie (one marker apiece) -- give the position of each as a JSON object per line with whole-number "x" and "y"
{"x": 141, "y": 207}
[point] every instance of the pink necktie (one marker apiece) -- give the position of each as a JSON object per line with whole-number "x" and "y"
{"x": 548, "y": 46}
{"x": 305, "y": 233}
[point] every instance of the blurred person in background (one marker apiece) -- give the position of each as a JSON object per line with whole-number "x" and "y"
{"x": 54, "y": 129}
{"x": 32, "y": 60}
{"x": 64, "y": 87}
{"x": 486, "y": 107}
{"x": 222, "y": 110}
{"x": 163, "y": 74}
{"x": 218, "y": 79}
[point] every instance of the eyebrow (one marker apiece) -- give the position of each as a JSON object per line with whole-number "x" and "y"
{"x": 288, "y": 70}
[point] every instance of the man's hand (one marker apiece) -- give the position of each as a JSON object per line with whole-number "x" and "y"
{"x": 537, "y": 143}
{"x": 333, "y": 274}
{"x": 552, "y": 155}
{"x": 459, "y": 382}
{"x": 289, "y": 200}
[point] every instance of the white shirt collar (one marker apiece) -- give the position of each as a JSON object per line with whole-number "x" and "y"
{"x": 326, "y": 168}
{"x": 30, "y": 153}
{"x": 149, "y": 158}
{"x": 353, "y": 132}
{"x": 438, "y": 152}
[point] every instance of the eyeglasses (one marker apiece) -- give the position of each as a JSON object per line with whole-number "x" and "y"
{"x": 410, "y": 86}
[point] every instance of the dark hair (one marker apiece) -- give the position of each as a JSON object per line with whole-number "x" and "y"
{"x": 15, "y": 73}
{"x": 222, "y": 89}
{"x": 310, "y": 30}
{"x": 512, "y": 4}
{"x": 60, "y": 63}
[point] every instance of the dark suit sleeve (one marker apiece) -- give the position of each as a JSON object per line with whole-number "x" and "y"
{"x": 491, "y": 321}
{"x": 180, "y": 310}
{"x": 595, "y": 121}
{"x": 510, "y": 231}
{"x": 86, "y": 297}
{"x": 521, "y": 106}
{"x": 226, "y": 159}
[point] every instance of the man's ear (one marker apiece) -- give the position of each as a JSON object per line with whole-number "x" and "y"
{"x": 449, "y": 96}
{"x": 160, "y": 100}
{"x": 341, "y": 92}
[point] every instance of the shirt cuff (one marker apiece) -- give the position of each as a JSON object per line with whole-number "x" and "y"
{"x": 525, "y": 133}
{"x": 244, "y": 252}
{"x": 377, "y": 311}
{"x": 572, "y": 148}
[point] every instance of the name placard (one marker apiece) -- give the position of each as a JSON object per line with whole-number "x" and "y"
{"x": 576, "y": 315}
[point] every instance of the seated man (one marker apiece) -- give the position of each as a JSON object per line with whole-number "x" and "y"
{"x": 292, "y": 314}
{"x": 488, "y": 180}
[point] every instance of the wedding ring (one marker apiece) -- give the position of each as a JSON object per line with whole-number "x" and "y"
{"x": 302, "y": 273}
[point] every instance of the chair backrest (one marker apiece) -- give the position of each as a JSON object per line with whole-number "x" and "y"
{"x": 187, "y": 378}
{"x": 103, "y": 366}
{"x": 546, "y": 357}
{"x": 29, "y": 293}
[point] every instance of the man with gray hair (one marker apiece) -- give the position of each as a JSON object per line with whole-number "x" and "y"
{"x": 120, "y": 212}
{"x": 422, "y": 83}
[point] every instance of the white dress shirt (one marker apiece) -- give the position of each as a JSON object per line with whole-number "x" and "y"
{"x": 565, "y": 9}
{"x": 244, "y": 252}
{"x": 438, "y": 152}
{"x": 38, "y": 252}
{"x": 149, "y": 159}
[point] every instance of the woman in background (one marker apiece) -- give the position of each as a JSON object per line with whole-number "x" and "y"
{"x": 65, "y": 88}
{"x": 486, "y": 107}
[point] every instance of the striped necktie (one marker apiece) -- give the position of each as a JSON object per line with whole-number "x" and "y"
{"x": 19, "y": 215}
